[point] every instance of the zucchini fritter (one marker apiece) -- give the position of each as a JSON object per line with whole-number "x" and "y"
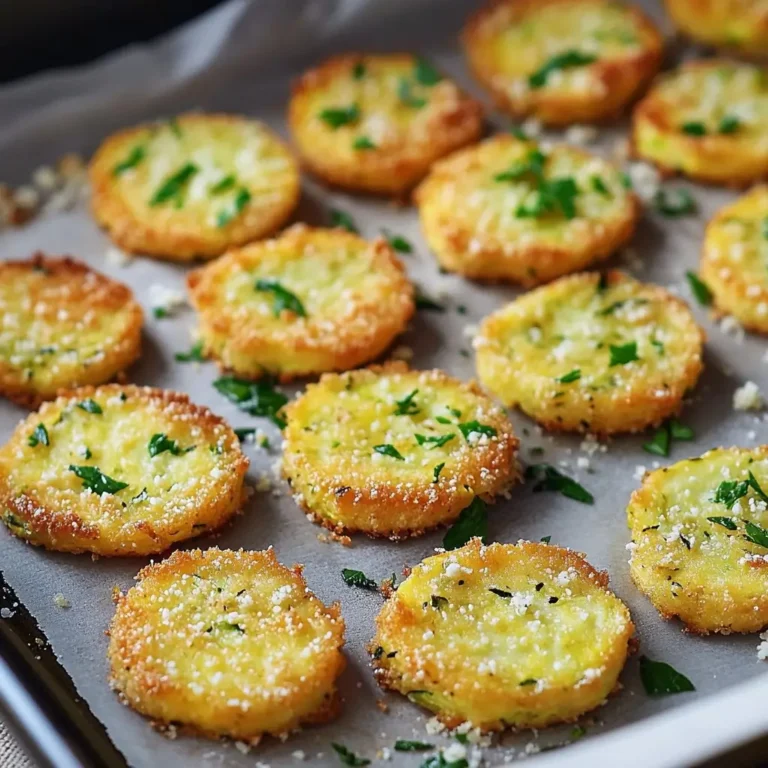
{"x": 226, "y": 643}
{"x": 592, "y": 353}
{"x": 119, "y": 471}
{"x": 562, "y": 61}
{"x": 700, "y": 540}
{"x": 507, "y": 210}
{"x": 377, "y": 122}
{"x": 310, "y": 301}
{"x": 62, "y": 325}
{"x": 194, "y": 186}
{"x": 734, "y": 259}
{"x": 739, "y": 25}
{"x": 393, "y": 452}
{"x": 708, "y": 120}
{"x": 523, "y": 635}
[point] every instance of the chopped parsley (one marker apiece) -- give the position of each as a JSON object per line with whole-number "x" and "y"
{"x": 160, "y": 443}
{"x": 283, "y": 298}
{"x": 472, "y": 522}
{"x": 343, "y": 221}
{"x": 665, "y": 434}
{"x": 135, "y": 156}
{"x": 243, "y": 433}
{"x": 227, "y": 183}
{"x": 195, "y": 354}
{"x": 357, "y": 579}
{"x": 756, "y": 534}
{"x": 363, "y": 142}
{"x": 387, "y": 449}
{"x": 699, "y": 289}
{"x": 242, "y": 198}
{"x": 424, "y": 302}
{"x": 554, "y": 195}
{"x": 729, "y": 124}
{"x": 173, "y": 187}
{"x": 565, "y": 60}
{"x": 674, "y": 203}
{"x": 95, "y": 480}
{"x": 660, "y": 679}
{"x": 425, "y": 74}
{"x": 401, "y": 745}
{"x": 533, "y": 164}
{"x": 550, "y": 479}
{"x": 694, "y": 129}
{"x": 599, "y": 186}
{"x": 407, "y": 406}
{"x": 90, "y": 405}
{"x": 258, "y": 398}
{"x": 475, "y": 427}
{"x": 730, "y": 491}
{"x": 406, "y": 96}
{"x": 348, "y": 757}
{"x": 358, "y": 71}
{"x": 436, "y": 471}
{"x": 335, "y": 117}
{"x": 569, "y": 377}
{"x": 434, "y": 441}
{"x": 726, "y": 522}
{"x": 623, "y": 354}
{"x": 159, "y": 312}
{"x": 398, "y": 242}
{"x": 39, "y": 436}
{"x": 545, "y": 539}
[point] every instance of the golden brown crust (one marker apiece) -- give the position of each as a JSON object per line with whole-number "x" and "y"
{"x": 703, "y": 93}
{"x": 555, "y": 352}
{"x": 480, "y": 634}
{"x": 251, "y": 153}
{"x": 192, "y": 486}
{"x": 226, "y": 643}
{"x": 406, "y": 139}
{"x": 343, "y": 482}
{"x": 733, "y": 260}
{"x": 355, "y": 295}
{"x": 470, "y": 217}
{"x": 63, "y": 325}
{"x": 692, "y": 552}
{"x": 612, "y": 81}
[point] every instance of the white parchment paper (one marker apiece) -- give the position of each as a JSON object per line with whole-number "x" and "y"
{"x": 240, "y": 58}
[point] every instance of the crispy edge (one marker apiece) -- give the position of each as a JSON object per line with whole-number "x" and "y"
{"x": 393, "y": 612}
{"x": 621, "y": 81}
{"x": 338, "y": 351}
{"x": 48, "y": 525}
{"x": 383, "y": 504}
{"x": 712, "y": 159}
{"x": 743, "y": 620}
{"x": 378, "y": 172}
{"x": 119, "y": 650}
{"x": 139, "y": 234}
{"x": 116, "y": 359}
{"x": 632, "y": 414}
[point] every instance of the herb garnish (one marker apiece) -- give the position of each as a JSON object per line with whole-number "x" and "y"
{"x": 348, "y": 757}
{"x": 354, "y": 578}
{"x": 694, "y": 129}
{"x": 136, "y": 155}
{"x": 160, "y": 443}
{"x": 222, "y": 186}
{"x": 242, "y": 198}
{"x": 472, "y": 522}
{"x": 434, "y": 441}
{"x": 425, "y": 74}
{"x": 730, "y": 491}
{"x": 623, "y": 354}
{"x": 660, "y": 679}
{"x": 401, "y": 745}
{"x": 398, "y": 242}
{"x": 726, "y": 522}
{"x": 39, "y": 436}
{"x": 343, "y": 221}
{"x": 551, "y": 479}
{"x": 283, "y": 298}
{"x": 729, "y": 124}
{"x": 358, "y": 71}
{"x": 569, "y": 377}
{"x": 335, "y": 117}
{"x": 90, "y": 405}
{"x": 173, "y": 187}
{"x": 699, "y": 289}
{"x": 599, "y": 186}
{"x": 406, "y": 406}
{"x": 565, "y": 60}
{"x": 406, "y": 96}
{"x": 424, "y": 302}
{"x": 195, "y": 354}
{"x": 363, "y": 142}
{"x": 672, "y": 205}
{"x": 756, "y": 534}
{"x": 436, "y": 471}
{"x": 387, "y": 449}
{"x": 475, "y": 427}
{"x": 258, "y": 398}
{"x": 95, "y": 480}
{"x": 662, "y": 439}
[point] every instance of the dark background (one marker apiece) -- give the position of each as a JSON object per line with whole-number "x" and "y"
{"x": 44, "y": 34}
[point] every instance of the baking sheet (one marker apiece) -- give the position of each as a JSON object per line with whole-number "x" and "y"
{"x": 229, "y": 62}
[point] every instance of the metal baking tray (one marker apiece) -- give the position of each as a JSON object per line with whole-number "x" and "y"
{"x": 241, "y": 58}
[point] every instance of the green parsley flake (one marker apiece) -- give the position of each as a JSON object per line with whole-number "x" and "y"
{"x": 729, "y": 124}
{"x": 565, "y": 60}
{"x": 694, "y": 129}
{"x": 358, "y": 71}
{"x": 136, "y": 155}
{"x": 660, "y": 679}
{"x": 434, "y": 441}
{"x": 348, "y": 757}
{"x": 343, "y": 221}
{"x": 90, "y": 406}
{"x": 569, "y": 377}
{"x": 227, "y": 183}
{"x": 95, "y": 480}
{"x": 699, "y": 289}
{"x": 401, "y": 745}
{"x": 551, "y": 479}
{"x": 436, "y": 471}
{"x": 387, "y": 449}
{"x": 623, "y": 354}
{"x": 425, "y": 74}
{"x": 674, "y": 203}
{"x": 173, "y": 187}
{"x": 472, "y": 522}
{"x": 398, "y": 242}
{"x": 39, "y": 436}
{"x": 195, "y": 354}
{"x": 424, "y": 302}
{"x": 242, "y": 198}
{"x": 405, "y": 94}
{"x": 358, "y": 579}
{"x": 363, "y": 142}
{"x": 258, "y": 398}
{"x": 338, "y": 116}
{"x": 407, "y": 406}
{"x": 726, "y": 522}
{"x": 470, "y": 428}
{"x": 283, "y": 298}
{"x": 160, "y": 443}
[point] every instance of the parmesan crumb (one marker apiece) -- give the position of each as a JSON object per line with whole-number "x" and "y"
{"x": 748, "y": 398}
{"x": 60, "y": 601}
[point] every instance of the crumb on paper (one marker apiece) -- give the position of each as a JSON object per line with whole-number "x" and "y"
{"x": 730, "y": 326}
{"x": 581, "y": 134}
{"x": 748, "y": 398}
{"x": 60, "y": 601}
{"x": 165, "y": 299}
{"x": 402, "y": 353}
{"x": 646, "y": 180}
{"x": 117, "y": 258}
